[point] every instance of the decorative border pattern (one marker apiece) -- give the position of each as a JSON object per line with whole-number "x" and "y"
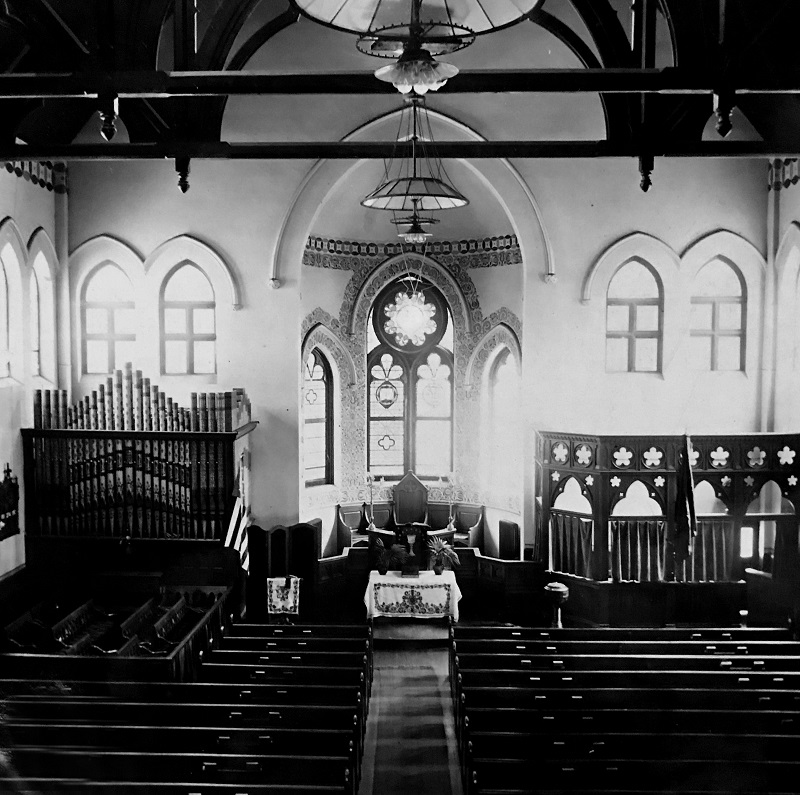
{"x": 782, "y": 173}
{"x": 490, "y": 252}
{"x": 51, "y": 176}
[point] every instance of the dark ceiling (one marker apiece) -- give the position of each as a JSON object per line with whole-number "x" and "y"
{"x": 80, "y": 55}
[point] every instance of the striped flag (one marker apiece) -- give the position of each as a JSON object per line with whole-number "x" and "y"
{"x": 237, "y": 533}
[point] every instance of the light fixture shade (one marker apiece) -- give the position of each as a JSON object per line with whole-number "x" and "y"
{"x": 415, "y": 233}
{"x": 437, "y": 38}
{"x": 405, "y": 194}
{"x": 366, "y": 16}
{"x": 418, "y": 71}
{"x": 418, "y": 183}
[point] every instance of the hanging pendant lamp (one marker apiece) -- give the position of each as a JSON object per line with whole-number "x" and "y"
{"x": 434, "y": 27}
{"x": 420, "y": 182}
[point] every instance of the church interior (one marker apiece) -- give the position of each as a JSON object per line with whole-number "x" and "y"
{"x": 397, "y": 396}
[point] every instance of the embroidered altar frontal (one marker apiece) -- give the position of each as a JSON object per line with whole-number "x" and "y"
{"x": 427, "y": 596}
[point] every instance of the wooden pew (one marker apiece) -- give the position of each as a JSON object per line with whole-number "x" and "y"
{"x": 650, "y": 698}
{"x": 244, "y": 629}
{"x": 295, "y": 642}
{"x": 332, "y": 659}
{"x": 727, "y": 678}
{"x": 71, "y": 786}
{"x": 653, "y": 775}
{"x": 626, "y": 647}
{"x": 640, "y": 745}
{"x": 622, "y": 720}
{"x": 634, "y": 662}
{"x": 68, "y": 709}
{"x": 184, "y": 739}
{"x": 240, "y": 769}
{"x": 202, "y": 692}
{"x": 487, "y": 632}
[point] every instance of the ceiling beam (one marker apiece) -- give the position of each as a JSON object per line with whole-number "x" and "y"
{"x": 153, "y": 84}
{"x": 370, "y": 150}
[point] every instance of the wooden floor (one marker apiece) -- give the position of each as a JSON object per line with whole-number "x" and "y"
{"x": 410, "y": 743}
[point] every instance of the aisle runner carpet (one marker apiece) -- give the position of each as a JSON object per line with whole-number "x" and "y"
{"x": 413, "y": 723}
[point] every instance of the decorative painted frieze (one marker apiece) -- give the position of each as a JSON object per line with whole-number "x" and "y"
{"x": 490, "y": 252}
{"x": 47, "y": 175}
{"x": 782, "y": 173}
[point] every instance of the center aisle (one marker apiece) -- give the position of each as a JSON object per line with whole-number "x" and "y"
{"x": 410, "y": 746}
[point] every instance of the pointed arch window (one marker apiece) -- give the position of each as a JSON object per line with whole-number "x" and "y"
{"x": 36, "y": 329}
{"x": 5, "y": 322}
{"x": 410, "y": 381}
{"x": 188, "y": 323}
{"x": 718, "y": 318}
{"x": 634, "y": 320}
{"x": 317, "y": 420}
{"x": 108, "y": 318}
{"x": 42, "y": 320}
{"x": 504, "y": 436}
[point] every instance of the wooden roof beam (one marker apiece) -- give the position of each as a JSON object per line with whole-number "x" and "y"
{"x": 359, "y": 150}
{"x": 153, "y": 84}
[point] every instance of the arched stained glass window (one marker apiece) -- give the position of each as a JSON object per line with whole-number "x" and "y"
{"x": 108, "y": 320}
{"x": 317, "y": 420}
{"x": 718, "y": 318}
{"x": 634, "y": 320}
{"x": 188, "y": 323}
{"x": 410, "y": 382}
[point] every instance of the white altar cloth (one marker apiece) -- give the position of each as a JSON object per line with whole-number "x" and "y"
{"x": 427, "y": 596}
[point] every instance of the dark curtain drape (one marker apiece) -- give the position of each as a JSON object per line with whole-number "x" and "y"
{"x": 638, "y": 549}
{"x": 712, "y": 552}
{"x": 571, "y": 543}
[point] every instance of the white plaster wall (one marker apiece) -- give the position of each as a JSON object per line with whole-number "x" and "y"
{"x": 31, "y": 207}
{"x": 237, "y": 209}
{"x": 586, "y": 206}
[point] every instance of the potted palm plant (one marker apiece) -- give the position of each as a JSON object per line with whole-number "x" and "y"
{"x": 442, "y": 554}
{"x": 392, "y": 558}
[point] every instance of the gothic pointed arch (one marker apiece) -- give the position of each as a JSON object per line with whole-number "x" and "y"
{"x": 185, "y": 248}
{"x": 500, "y": 177}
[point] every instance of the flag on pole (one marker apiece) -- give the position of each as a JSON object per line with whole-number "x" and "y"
{"x": 237, "y": 533}
{"x": 685, "y": 519}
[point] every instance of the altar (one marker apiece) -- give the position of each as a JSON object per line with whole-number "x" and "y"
{"x": 428, "y": 596}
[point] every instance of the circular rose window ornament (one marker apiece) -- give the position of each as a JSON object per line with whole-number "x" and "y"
{"x": 410, "y": 319}
{"x": 410, "y": 315}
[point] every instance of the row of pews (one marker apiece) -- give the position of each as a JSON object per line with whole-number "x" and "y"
{"x": 274, "y": 709}
{"x": 629, "y": 711}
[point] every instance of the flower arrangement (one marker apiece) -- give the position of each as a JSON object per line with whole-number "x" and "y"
{"x": 441, "y": 554}
{"x": 392, "y": 558}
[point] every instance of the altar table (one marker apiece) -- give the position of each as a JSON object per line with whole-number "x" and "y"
{"x": 427, "y": 596}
